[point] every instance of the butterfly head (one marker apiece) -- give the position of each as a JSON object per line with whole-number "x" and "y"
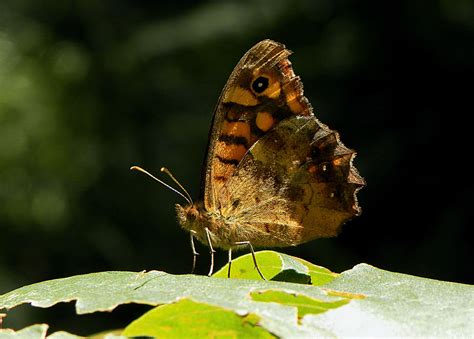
{"x": 189, "y": 217}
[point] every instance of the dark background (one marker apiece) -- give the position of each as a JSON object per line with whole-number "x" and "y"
{"x": 88, "y": 89}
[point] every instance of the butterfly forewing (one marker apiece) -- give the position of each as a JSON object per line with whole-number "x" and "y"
{"x": 261, "y": 91}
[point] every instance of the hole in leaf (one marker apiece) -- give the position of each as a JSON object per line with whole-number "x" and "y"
{"x": 305, "y": 305}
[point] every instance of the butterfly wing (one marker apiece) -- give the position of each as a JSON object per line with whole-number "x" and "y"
{"x": 295, "y": 184}
{"x": 261, "y": 91}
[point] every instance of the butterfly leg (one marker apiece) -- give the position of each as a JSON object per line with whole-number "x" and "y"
{"x": 195, "y": 254}
{"x": 229, "y": 262}
{"x": 208, "y": 236}
{"x": 253, "y": 256}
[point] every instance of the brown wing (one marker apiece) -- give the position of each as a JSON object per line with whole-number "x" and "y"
{"x": 261, "y": 91}
{"x": 295, "y": 184}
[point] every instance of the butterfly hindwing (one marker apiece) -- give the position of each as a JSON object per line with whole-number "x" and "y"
{"x": 297, "y": 183}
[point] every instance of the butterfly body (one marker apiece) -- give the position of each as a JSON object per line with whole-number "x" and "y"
{"x": 274, "y": 175}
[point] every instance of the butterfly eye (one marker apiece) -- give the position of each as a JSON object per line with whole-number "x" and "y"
{"x": 260, "y": 84}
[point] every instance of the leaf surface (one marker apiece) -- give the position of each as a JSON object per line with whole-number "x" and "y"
{"x": 363, "y": 301}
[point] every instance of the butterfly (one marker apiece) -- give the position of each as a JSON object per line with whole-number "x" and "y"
{"x": 273, "y": 176}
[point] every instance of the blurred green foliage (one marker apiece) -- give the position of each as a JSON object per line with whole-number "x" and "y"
{"x": 88, "y": 89}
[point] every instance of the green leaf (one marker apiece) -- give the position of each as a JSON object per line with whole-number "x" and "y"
{"x": 397, "y": 305}
{"x": 106, "y": 290}
{"x": 109, "y": 334}
{"x": 319, "y": 275}
{"x": 40, "y": 331}
{"x": 33, "y": 331}
{"x": 277, "y": 267}
{"x": 63, "y": 335}
{"x": 364, "y": 301}
{"x": 187, "y": 318}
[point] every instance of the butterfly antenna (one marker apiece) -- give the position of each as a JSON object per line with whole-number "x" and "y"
{"x": 187, "y": 198}
{"x": 165, "y": 170}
